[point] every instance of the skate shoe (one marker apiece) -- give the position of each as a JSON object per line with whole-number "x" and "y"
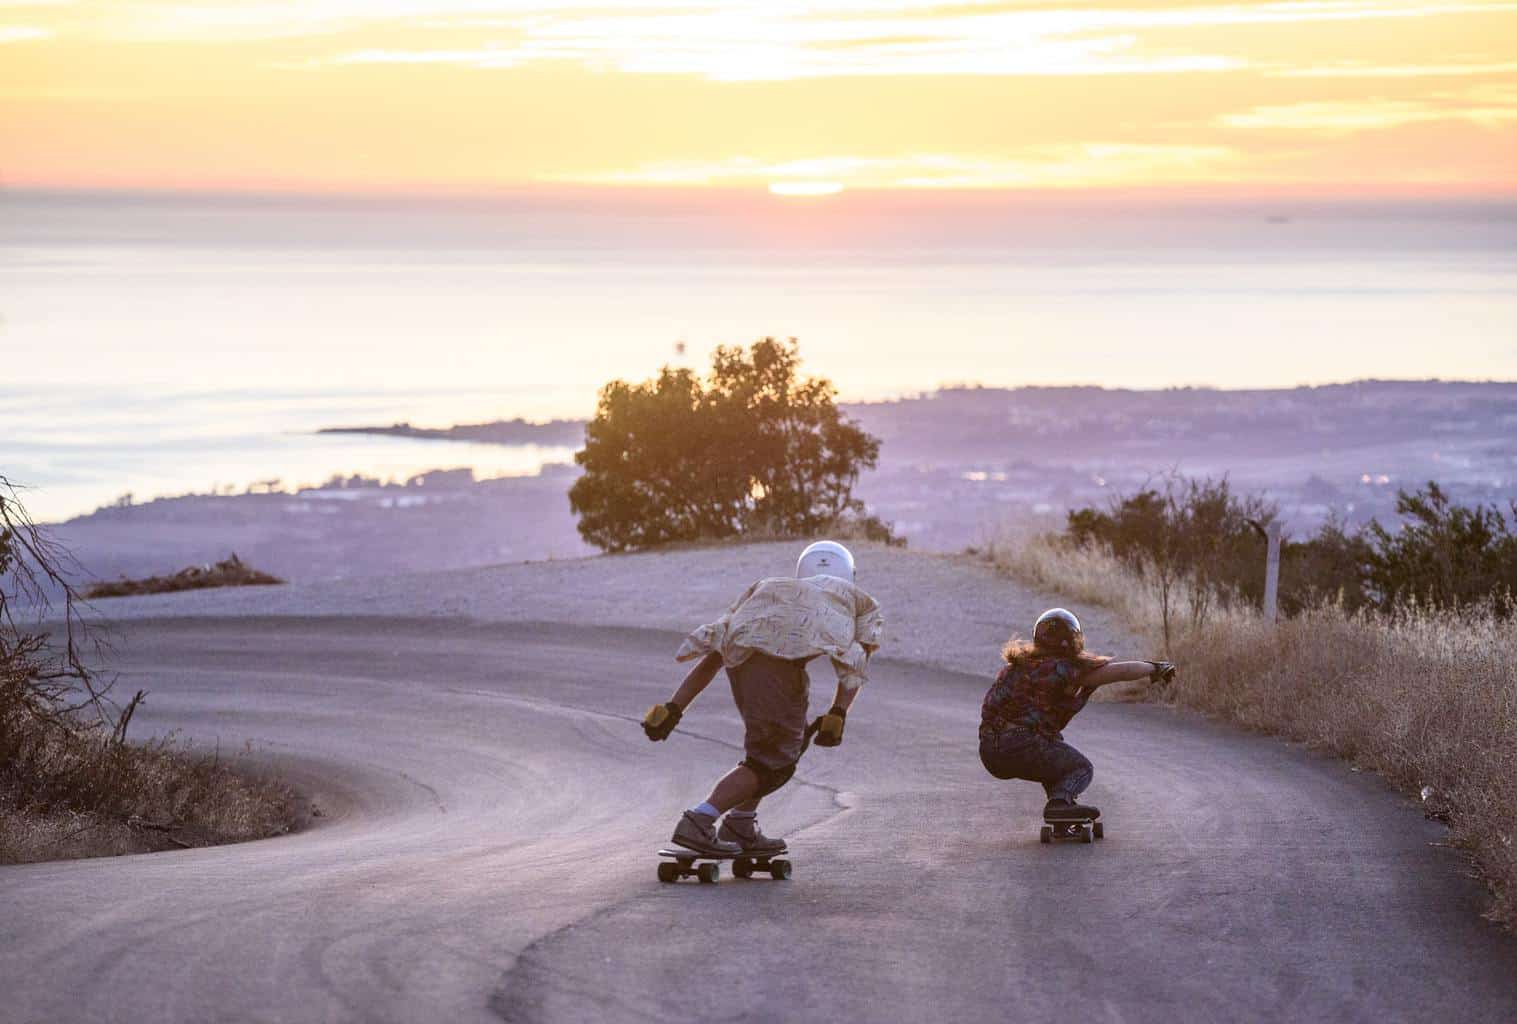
{"x": 698, "y": 833}
{"x": 745, "y": 833}
{"x": 1068, "y": 810}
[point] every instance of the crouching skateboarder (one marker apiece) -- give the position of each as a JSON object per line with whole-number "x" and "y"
{"x": 765, "y": 640}
{"x": 1044, "y": 685}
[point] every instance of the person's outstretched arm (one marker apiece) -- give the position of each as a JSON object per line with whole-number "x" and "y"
{"x": 697, "y": 679}
{"x": 1124, "y": 672}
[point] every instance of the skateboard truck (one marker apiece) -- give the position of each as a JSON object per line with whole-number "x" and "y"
{"x": 1084, "y": 830}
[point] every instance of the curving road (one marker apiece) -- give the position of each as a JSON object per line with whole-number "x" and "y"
{"x": 493, "y": 809}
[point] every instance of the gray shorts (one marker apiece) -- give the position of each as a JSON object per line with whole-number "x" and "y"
{"x": 771, "y": 696}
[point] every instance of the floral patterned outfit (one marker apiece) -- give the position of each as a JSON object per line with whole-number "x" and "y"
{"x": 1022, "y": 719}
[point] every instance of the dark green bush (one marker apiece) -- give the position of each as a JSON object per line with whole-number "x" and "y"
{"x": 1441, "y": 554}
{"x": 1199, "y": 529}
{"x": 1328, "y": 568}
{"x": 1447, "y": 555}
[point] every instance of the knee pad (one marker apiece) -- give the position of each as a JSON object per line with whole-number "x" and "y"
{"x": 770, "y": 779}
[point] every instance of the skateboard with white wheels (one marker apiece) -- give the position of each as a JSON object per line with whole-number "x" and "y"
{"x": 1082, "y": 830}
{"x": 681, "y": 863}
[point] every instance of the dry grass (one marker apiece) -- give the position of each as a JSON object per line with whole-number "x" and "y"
{"x": 1082, "y": 575}
{"x": 1425, "y": 698}
{"x": 70, "y": 784}
{"x": 69, "y": 790}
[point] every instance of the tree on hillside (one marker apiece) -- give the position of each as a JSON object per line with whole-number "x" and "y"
{"x": 753, "y": 446}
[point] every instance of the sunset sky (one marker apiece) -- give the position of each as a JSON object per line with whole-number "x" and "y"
{"x": 801, "y": 98}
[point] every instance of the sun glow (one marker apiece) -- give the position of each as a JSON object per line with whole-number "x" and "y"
{"x": 806, "y": 188}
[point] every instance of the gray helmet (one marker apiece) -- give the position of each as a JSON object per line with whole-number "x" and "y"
{"x": 1058, "y": 630}
{"x": 825, "y": 558}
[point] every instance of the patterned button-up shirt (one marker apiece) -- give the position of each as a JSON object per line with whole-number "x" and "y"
{"x": 789, "y": 618}
{"x": 1039, "y": 694}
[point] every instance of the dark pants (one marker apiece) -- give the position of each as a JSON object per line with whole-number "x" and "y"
{"x": 1024, "y": 754}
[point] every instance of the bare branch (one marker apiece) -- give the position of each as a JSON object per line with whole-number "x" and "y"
{"x": 35, "y": 572}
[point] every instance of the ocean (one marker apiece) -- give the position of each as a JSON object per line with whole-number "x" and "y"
{"x": 156, "y": 345}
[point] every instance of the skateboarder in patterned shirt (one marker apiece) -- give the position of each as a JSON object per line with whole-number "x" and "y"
{"x": 764, "y": 641}
{"x": 1044, "y": 684}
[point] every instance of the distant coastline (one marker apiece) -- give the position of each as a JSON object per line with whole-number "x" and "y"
{"x": 552, "y": 434}
{"x": 954, "y": 464}
{"x": 973, "y": 423}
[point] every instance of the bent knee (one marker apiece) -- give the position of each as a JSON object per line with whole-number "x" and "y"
{"x": 770, "y": 777}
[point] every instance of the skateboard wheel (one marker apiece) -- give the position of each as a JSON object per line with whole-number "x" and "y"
{"x": 1098, "y": 829}
{"x": 779, "y": 869}
{"x": 1045, "y": 834}
{"x": 668, "y": 872}
{"x": 1087, "y": 835}
{"x": 742, "y": 867}
{"x": 709, "y": 873}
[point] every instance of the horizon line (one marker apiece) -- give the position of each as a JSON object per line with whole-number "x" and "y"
{"x": 751, "y": 194}
{"x": 945, "y": 386}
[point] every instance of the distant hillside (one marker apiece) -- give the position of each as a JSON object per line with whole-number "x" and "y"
{"x": 1043, "y": 423}
{"x": 554, "y": 433}
{"x": 955, "y": 463}
{"x": 1038, "y": 423}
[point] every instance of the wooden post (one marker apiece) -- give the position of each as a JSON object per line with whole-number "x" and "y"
{"x": 1272, "y": 574}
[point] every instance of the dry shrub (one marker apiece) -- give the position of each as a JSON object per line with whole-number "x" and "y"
{"x": 69, "y": 789}
{"x": 230, "y": 572}
{"x": 70, "y": 783}
{"x": 1425, "y": 697}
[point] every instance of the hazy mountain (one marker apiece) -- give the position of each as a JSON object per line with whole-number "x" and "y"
{"x": 955, "y": 464}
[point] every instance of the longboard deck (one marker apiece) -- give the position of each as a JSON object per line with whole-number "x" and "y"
{"x": 680, "y": 863}
{"x": 680, "y": 853}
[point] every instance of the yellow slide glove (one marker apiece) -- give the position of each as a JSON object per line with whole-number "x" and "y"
{"x": 829, "y": 727}
{"x": 661, "y": 719}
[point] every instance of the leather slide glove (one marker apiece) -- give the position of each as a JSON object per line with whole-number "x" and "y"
{"x": 829, "y": 727}
{"x": 661, "y": 719}
{"x": 1163, "y": 672}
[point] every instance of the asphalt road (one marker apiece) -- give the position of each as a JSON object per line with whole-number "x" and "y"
{"x": 492, "y": 812}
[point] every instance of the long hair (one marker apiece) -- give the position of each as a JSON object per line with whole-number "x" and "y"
{"x": 1019, "y": 653}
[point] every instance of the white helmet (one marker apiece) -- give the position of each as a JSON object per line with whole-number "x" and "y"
{"x": 825, "y": 558}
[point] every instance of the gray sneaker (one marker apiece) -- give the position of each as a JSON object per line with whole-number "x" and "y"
{"x": 745, "y": 833}
{"x": 698, "y": 832}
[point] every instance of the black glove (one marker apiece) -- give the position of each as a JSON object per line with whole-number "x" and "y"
{"x": 661, "y": 719}
{"x": 829, "y": 727}
{"x": 1163, "y": 672}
